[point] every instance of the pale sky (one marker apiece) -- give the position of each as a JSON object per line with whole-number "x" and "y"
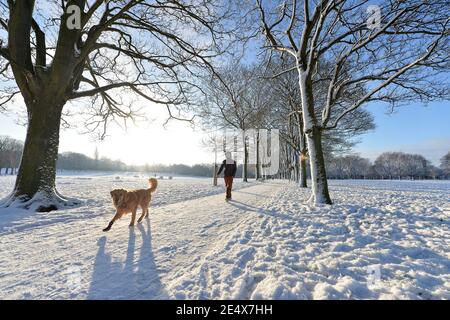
{"x": 148, "y": 142}
{"x": 414, "y": 129}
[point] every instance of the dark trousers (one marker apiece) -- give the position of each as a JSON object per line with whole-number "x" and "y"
{"x": 228, "y": 185}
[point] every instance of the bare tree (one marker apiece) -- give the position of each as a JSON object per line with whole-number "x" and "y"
{"x": 401, "y": 165}
{"x": 348, "y": 167}
{"x": 107, "y": 53}
{"x": 384, "y": 166}
{"x": 415, "y": 166}
{"x": 10, "y": 153}
{"x": 400, "y": 57}
{"x": 237, "y": 97}
{"x": 288, "y": 115}
{"x": 445, "y": 164}
{"x": 2, "y": 153}
{"x": 388, "y": 165}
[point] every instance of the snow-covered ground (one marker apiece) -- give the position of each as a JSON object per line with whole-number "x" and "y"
{"x": 380, "y": 240}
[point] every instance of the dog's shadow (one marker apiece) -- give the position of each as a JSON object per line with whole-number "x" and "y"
{"x": 136, "y": 278}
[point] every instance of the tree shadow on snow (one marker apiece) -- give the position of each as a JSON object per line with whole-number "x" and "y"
{"x": 251, "y": 193}
{"x": 246, "y": 207}
{"x": 19, "y": 220}
{"x": 137, "y": 278}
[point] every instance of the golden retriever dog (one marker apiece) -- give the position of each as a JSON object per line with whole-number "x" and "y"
{"x": 126, "y": 201}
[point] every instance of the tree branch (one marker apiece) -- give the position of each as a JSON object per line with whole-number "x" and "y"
{"x": 391, "y": 79}
{"x": 41, "y": 51}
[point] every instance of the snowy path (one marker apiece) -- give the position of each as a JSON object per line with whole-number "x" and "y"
{"x": 379, "y": 240}
{"x": 76, "y": 260}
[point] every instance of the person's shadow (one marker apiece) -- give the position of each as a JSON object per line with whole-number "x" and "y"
{"x": 135, "y": 279}
{"x": 147, "y": 276}
{"x": 104, "y": 273}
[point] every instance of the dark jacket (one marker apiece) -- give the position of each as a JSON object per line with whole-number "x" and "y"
{"x": 230, "y": 169}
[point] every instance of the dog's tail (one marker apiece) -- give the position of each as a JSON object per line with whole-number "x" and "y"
{"x": 153, "y": 184}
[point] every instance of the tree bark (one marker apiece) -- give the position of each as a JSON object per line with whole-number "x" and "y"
{"x": 303, "y": 151}
{"x": 35, "y": 186}
{"x": 303, "y": 175}
{"x": 245, "y": 166}
{"x": 320, "y": 194}
{"x": 258, "y": 159}
{"x": 215, "y": 175}
{"x": 297, "y": 167}
{"x": 313, "y": 133}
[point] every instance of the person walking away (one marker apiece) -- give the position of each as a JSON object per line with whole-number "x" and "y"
{"x": 230, "y": 170}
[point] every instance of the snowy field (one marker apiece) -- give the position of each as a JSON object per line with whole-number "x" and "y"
{"x": 380, "y": 240}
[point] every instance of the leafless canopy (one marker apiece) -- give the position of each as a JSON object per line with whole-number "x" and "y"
{"x": 237, "y": 97}
{"x": 287, "y": 111}
{"x": 405, "y": 57}
{"x": 151, "y": 49}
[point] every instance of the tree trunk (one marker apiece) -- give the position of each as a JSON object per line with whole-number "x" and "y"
{"x": 215, "y": 175}
{"x": 245, "y": 164}
{"x": 303, "y": 151}
{"x": 303, "y": 176}
{"x": 215, "y": 165}
{"x": 297, "y": 167}
{"x": 319, "y": 184}
{"x": 294, "y": 166}
{"x": 258, "y": 160}
{"x": 35, "y": 187}
{"x": 320, "y": 194}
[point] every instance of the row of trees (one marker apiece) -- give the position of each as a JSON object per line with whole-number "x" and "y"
{"x": 242, "y": 97}
{"x": 78, "y": 161}
{"x": 389, "y": 165}
{"x": 335, "y": 59}
{"x": 11, "y": 150}
{"x": 108, "y": 53}
{"x": 10, "y": 154}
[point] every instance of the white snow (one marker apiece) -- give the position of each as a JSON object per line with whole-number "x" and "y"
{"x": 379, "y": 240}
